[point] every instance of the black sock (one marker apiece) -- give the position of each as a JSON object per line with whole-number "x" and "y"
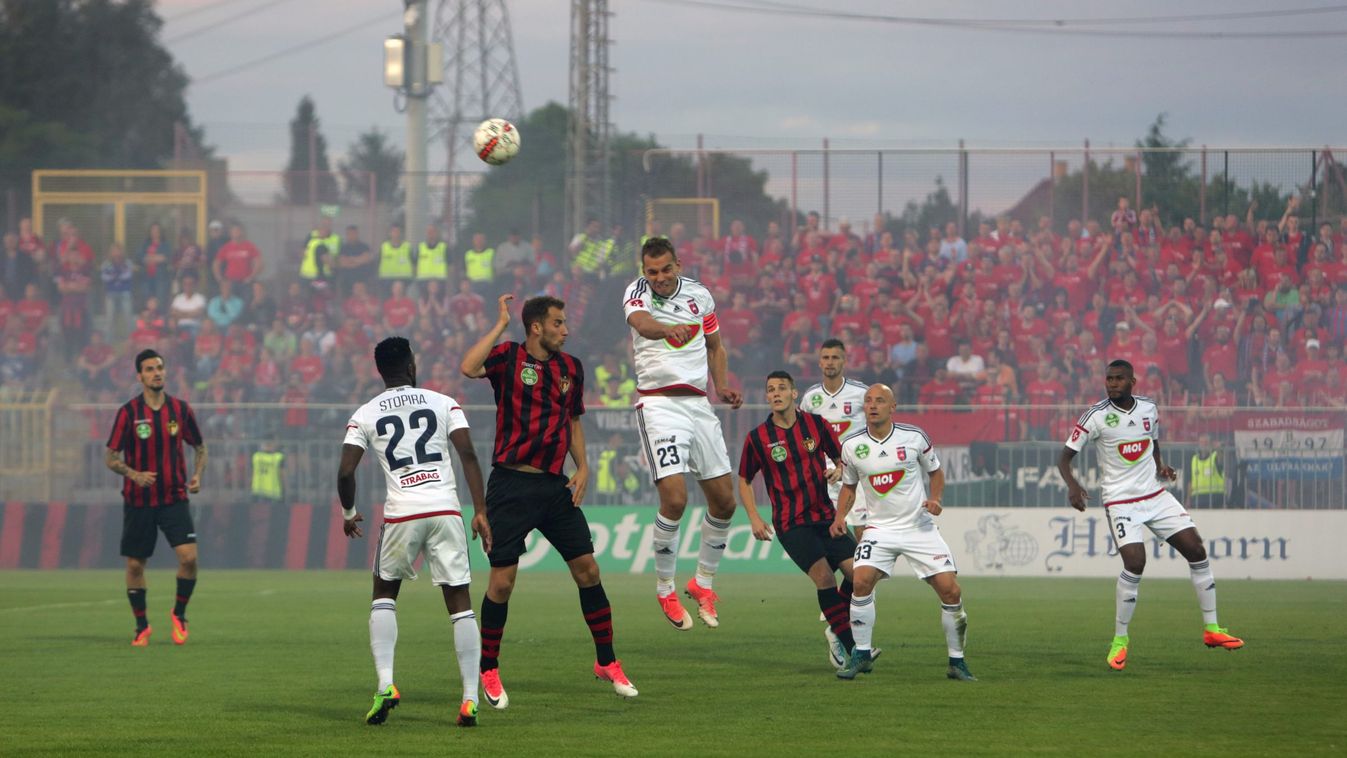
{"x": 493, "y": 628}
{"x": 137, "y": 598}
{"x": 845, "y": 590}
{"x": 599, "y": 617}
{"x": 838, "y": 613}
{"x": 185, "y": 587}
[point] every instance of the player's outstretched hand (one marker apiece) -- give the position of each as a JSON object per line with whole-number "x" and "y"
{"x": 578, "y": 484}
{"x": 932, "y": 507}
{"x": 504, "y": 301}
{"x": 762, "y": 531}
{"x": 1167, "y": 473}
{"x": 481, "y": 528}
{"x": 349, "y": 526}
{"x": 1078, "y": 497}
{"x": 731, "y": 396}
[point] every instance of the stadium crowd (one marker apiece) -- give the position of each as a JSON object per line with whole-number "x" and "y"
{"x": 1239, "y": 311}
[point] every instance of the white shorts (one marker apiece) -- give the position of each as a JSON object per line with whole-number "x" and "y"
{"x": 440, "y": 538}
{"x": 924, "y": 549}
{"x": 682, "y": 434}
{"x": 1163, "y": 514}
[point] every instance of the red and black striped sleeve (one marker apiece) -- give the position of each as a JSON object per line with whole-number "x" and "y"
{"x": 498, "y": 360}
{"x": 121, "y": 429}
{"x": 749, "y": 462}
{"x": 191, "y": 433}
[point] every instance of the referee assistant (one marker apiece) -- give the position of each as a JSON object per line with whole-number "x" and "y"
{"x": 145, "y": 447}
{"x": 539, "y": 400}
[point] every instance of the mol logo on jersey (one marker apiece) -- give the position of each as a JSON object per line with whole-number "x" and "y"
{"x": 1134, "y": 450}
{"x": 886, "y": 481}
{"x": 692, "y": 335}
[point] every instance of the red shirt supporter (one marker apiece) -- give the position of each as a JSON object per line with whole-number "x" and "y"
{"x": 296, "y": 396}
{"x": 866, "y": 290}
{"x": 238, "y": 258}
{"x": 209, "y": 343}
{"x": 25, "y": 343}
{"x": 32, "y": 313}
{"x": 1045, "y": 390}
{"x": 399, "y": 312}
{"x": 792, "y": 318}
{"x": 1221, "y": 355}
{"x": 237, "y": 336}
{"x": 737, "y": 320}
{"x": 739, "y": 252}
{"x": 990, "y": 393}
{"x": 235, "y": 365}
{"x": 309, "y": 368}
{"x": 362, "y": 307}
{"x": 819, "y": 288}
{"x": 941, "y": 390}
{"x": 1173, "y": 345}
{"x": 352, "y": 338}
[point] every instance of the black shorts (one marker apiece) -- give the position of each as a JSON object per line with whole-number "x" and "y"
{"x": 141, "y": 526}
{"x": 517, "y": 502}
{"x": 807, "y": 544}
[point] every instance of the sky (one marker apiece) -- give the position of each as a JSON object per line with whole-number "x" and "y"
{"x": 756, "y": 79}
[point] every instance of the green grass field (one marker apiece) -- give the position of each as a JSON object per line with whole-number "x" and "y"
{"x": 279, "y": 664}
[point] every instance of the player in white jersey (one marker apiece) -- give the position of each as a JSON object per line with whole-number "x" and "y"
{"x": 890, "y": 462}
{"x": 1125, "y": 430}
{"x": 409, "y": 430}
{"x": 677, "y": 344}
{"x": 839, "y": 400}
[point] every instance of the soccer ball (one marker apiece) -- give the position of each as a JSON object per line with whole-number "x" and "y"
{"x": 496, "y": 141}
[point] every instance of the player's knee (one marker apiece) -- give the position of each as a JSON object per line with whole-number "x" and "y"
{"x": 500, "y": 586}
{"x": 187, "y": 565}
{"x": 951, "y": 594}
{"x": 135, "y": 569}
{"x": 1196, "y": 551}
{"x": 586, "y": 575}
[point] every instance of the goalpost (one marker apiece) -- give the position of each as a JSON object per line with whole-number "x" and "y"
{"x": 108, "y": 205}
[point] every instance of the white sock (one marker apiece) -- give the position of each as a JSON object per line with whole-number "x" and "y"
{"x": 863, "y": 620}
{"x": 714, "y": 534}
{"x": 1205, "y": 584}
{"x": 468, "y": 648}
{"x": 666, "y": 555}
{"x": 383, "y": 638}
{"x": 955, "y": 622}
{"x": 1126, "y": 595}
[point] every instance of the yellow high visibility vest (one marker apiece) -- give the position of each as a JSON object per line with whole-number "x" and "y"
{"x": 431, "y": 262}
{"x": 395, "y": 262}
{"x": 309, "y": 267}
{"x": 606, "y": 483}
{"x": 477, "y": 264}
{"x": 267, "y": 474}
{"x": 1206, "y": 478}
{"x": 591, "y": 257}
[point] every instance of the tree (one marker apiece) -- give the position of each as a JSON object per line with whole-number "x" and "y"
{"x": 87, "y": 83}
{"x": 308, "y": 168}
{"x": 371, "y": 155}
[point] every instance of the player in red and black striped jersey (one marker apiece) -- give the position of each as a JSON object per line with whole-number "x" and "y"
{"x": 792, "y": 449}
{"x": 145, "y": 447}
{"x": 539, "y": 400}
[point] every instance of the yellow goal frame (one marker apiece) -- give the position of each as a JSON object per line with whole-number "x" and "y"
{"x": 119, "y": 199}
{"x": 712, "y": 204}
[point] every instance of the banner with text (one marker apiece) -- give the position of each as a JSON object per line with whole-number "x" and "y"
{"x": 1006, "y": 542}
{"x": 1290, "y": 445}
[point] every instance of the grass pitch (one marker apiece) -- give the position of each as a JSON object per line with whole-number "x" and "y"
{"x": 279, "y": 664}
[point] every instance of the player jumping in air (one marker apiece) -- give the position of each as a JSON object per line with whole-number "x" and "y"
{"x": 890, "y": 462}
{"x": 676, "y": 340}
{"x": 410, "y": 430}
{"x": 1125, "y": 429}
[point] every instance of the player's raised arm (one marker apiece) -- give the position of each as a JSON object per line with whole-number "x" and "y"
{"x": 472, "y": 472}
{"x": 473, "y": 365}
{"x": 646, "y": 326}
{"x": 350, "y": 459}
{"x": 1076, "y": 493}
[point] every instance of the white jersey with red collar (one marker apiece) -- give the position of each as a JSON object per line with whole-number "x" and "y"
{"x": 1125, "y": 445}
{"x": 407, "y": 428}
{"x": 661, "y": 364}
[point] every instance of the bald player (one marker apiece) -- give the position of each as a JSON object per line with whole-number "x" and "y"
{"x": 890, "y": 463}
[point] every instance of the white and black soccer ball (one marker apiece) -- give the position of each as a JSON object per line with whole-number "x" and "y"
{"x": 496, "y": 141}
